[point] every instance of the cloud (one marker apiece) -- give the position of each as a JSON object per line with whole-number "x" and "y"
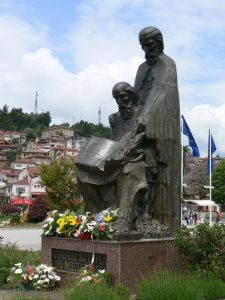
{"x": 202, "y": 117}
{"x": 103, "y": 44}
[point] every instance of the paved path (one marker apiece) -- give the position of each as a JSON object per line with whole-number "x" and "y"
{"x": 13, "y": 295}
{"x": 25, "y": 238}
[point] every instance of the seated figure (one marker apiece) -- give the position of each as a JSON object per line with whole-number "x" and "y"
{"x": 115, "y": 173}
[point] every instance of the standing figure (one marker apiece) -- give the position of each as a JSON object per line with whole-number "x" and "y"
{"x": 156, "y": 83}
{"x": 217, "y": 217}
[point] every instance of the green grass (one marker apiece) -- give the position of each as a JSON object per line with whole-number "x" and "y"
{"x": 4, "y": 217}
{"x": 93, "y": 292}
{"x": 166, "y": 285}
{"x": 161, "y": 285}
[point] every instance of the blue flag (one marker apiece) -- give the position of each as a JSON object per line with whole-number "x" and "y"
{"x": 213, "y": 149}
{"x": 192, "y": 143}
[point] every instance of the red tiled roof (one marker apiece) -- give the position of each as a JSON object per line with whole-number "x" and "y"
{"x": 24, "y": 181}
{"x": 25, "y": 161}
{"x": 33, "y": 171}
{"x": 12, "y": 132}
{"x": 10, "y": 172}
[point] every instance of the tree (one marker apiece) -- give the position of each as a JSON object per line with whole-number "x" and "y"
{"x": 11, "y": 155}
{"x": 60, "y": 182}
{"x": 87, "y": 129}
{"x": 218, "y": 181}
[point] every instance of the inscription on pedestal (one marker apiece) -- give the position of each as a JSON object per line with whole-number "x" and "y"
{"x": 73, "y": 261}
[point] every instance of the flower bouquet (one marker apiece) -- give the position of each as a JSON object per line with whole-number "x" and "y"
{"x": 85, "y": 227}
{"x": 41, "y": 278}
{"x": 92, "y": 275}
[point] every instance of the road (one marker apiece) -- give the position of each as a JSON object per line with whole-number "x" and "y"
{"x": 25, "y": 238}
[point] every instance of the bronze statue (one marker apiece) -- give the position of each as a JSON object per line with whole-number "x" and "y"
{"x": 139, "y": 170}
{"x": 156, "y": 83}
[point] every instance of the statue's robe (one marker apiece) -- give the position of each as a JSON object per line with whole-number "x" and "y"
{"x": 101, "y": 163}
{"x": 158, "y": 92}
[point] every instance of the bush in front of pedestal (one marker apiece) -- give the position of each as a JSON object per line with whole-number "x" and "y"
{"x": 94, "y": 284}
{"x": 204, "y": 247}
{"x": 40, "y": 278}
{"x": 168, "y": 285}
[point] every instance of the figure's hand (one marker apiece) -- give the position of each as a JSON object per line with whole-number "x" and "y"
{"x": 113, "y": 120}
{"x": 140, "y": 125}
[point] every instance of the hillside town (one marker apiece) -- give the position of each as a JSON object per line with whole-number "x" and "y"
{"x": 20, "y": 161}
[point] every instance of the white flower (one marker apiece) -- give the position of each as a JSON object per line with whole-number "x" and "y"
{"x": 18, "y": 271}
{"x": 13, "y": 269}
{"x": 40, "y": 281}
{"x": 18, "y": 265}
{"x": 49, "y": 269}
{"x": 57, "y": 278}
{"x": 101, "y": 271}
{"x": 36, "y": 276}
{"x": 46, "y": 280}
{"x": 50, "y": 220}
{"x": 86, "y": 279}
{"x": 77, "y": 233}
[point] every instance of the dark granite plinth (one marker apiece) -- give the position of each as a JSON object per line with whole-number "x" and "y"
{"x": 126, "y": 261}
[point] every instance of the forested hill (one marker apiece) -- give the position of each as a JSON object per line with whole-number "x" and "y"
{"x": 33, "y": 124}
{"x": 84, "y": 128}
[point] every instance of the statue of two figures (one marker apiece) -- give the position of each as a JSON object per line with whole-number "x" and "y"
{"x": 138, "y": 170}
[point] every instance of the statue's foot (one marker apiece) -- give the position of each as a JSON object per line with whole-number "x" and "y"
{"x": 121, "y": 227}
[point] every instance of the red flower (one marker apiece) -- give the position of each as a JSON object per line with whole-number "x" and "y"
{"x": 84, "y": 236}
{"x": 91, "y": 268}
{"x": 29, "y": 270}
{"x": 101, "y": 227}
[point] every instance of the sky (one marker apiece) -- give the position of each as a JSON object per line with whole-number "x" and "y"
{"x": 72, "y": 53}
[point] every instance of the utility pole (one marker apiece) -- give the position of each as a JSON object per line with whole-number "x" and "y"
{"x": 99, "y": 116}
{"x": 36, "y": 103}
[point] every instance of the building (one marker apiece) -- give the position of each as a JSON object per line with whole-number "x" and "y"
{"x": 39, "y": 156}
{"x": 21, "y": 164}
{"x": 57, "y": 131}
{"x": 13, "y": 136}
{"x": 33, "y": 176}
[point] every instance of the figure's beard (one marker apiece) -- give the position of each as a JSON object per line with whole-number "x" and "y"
{"x": 126, "y": 112}
{"x": 151, "y": 58}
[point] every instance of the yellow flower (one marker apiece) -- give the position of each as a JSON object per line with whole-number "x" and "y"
{"x": 107, "y": 219}
{"x": 73, "y": 222}
{"x": 60, "y": 220}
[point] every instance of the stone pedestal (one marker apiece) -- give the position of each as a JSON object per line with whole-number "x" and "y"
{"x": 126, "y": 261}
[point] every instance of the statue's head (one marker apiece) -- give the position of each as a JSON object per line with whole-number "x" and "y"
{"x": 151, "y": 41}
{"x": 126, "y": 97}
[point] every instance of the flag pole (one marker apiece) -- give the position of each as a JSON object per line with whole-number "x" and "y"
{"x": 210, "y": 178}
{"x": 182, "y": 170}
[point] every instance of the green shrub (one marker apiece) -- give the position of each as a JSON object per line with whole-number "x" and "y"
{"x": 15, "y": 219}
{"x": 9, "y": 209}
{"x": 166, "y": 285}
{"x": 204, "y": 247}
{"x": 95, "y": 291}
{"x": 38, "y": 210}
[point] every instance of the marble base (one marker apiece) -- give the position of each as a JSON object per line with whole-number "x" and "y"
{"x": 126, "y": 261}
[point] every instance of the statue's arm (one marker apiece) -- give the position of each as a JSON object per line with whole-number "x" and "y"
{"x": 113, "y": 120}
